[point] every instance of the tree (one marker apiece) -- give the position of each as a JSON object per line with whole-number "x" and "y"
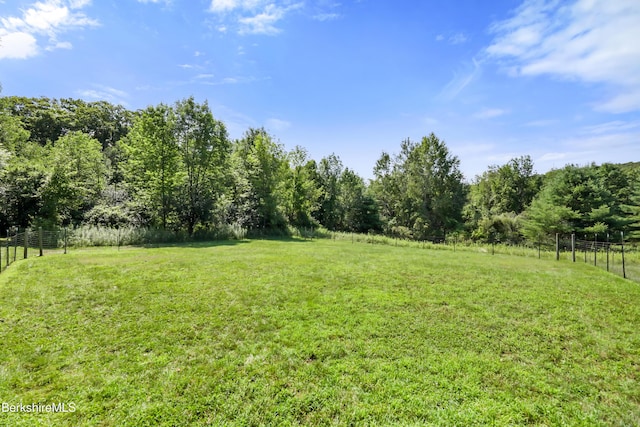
{"x": 21, "y": 186}
{"x": 43, "y": 118}
{"x": 204, "y": 149}
{"x": 302, "y": 193}
{"x": 259, "y": 172}
{"x": 328, "y": 176}
{"x": 12, "y": 134}
{"x": 359, "y": 210}
{"x": 498, "y": 196}
{"x": 76, "y": 178}
{"x": 152, "y": 162}
{"x": 547, "y": 215}
{"x": 572, "y": 199}
{"x": 420, "y": 190}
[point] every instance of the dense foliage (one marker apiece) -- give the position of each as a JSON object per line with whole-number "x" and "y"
{"x": 174, "y": 167}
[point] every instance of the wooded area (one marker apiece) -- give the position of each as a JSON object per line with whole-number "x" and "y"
{"x": 71, "y": 162}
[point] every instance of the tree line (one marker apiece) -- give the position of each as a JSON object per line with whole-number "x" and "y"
{"x": 71, "y": 162}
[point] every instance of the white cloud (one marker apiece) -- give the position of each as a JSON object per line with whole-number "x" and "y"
{"x": 277, "y": 125}
{"x": 549, "y": 157}
{"x": 254, "y": 16}
{"x": 457, "y": 38}
{"x": 461, "y": 80}
{"x": 166, "y": 2}
{"x": 592, "y": 41}
{"x": 223, "y": 5}
{"x": 614, "y": 126}
{"x": 489, "y": 113}
{"x": 474, "y": 147}
{"x": 18, "y": 45}
{"x": 606, "y": 141}
{"x": 205, "y": 80}
{"x": 429, "y": 121}
{"x": 542, "y": 123}
{"x": 264, "y": 22}
{"x": 105, "y": 93}
{"x": 326, "y": 16}
{"x": 622, "y": 103}
{"x": 60, "y": 45}
{"x": 41, "y": 24}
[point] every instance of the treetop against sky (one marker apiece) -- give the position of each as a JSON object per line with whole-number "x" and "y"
{"x": 559, "y": 81}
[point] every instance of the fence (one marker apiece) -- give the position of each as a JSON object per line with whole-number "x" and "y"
{"x": 619, "y": 257}
{"x": 21, "y": 245}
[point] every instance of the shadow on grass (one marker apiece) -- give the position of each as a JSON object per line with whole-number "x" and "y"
{"x": 214, "y": 243}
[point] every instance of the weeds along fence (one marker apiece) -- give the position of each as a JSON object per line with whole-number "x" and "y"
{"x": 21, "y": 244}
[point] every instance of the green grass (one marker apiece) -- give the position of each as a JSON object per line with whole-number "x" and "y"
{"x": 317, "y": 332}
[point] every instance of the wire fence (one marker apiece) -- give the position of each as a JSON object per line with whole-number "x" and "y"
{"x": 621, "y": 257}
{"x": 618, "y": 257}
{"x": 28, "y": 243}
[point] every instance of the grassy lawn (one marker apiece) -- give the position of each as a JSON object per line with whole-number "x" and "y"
{"x": 317, "y": 333}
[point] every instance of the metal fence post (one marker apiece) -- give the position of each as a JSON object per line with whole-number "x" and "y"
{"x": 573, "y": 247}
{"x": 8, "y": 245}
{"x": 624, "y": 272}
{"x": 40, "y": 239}
{"x": 15, "y": 245}
{"x": 557, "y": 246}
{"x": 607, "y": 251}
{"x": 26, "y": 243}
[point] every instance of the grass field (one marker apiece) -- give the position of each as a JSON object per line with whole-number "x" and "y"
{"x": 317, "y": 333}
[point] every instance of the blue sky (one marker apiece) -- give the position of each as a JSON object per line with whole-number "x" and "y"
{"x": 557, "y": 80}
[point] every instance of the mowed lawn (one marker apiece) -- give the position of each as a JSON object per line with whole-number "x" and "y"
{"x": 317, "y": 333}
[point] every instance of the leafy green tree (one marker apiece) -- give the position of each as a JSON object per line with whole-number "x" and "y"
{"x": 498, "y": 196}
{"x": 359, "y": 210}
{"x": 204, "y": 149}
{"x": 21, "y": 186}
{"x": 152, "y": 163}
{"x": 76, "y": 178}
{"x": 43, "y": 118}
{"x": 13, "y": 135}
{"x": 302, "y": 192}
{"x": 421, "y": 189}
{"x": 328, "y": 176}
{"x": 260, "y": 170}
